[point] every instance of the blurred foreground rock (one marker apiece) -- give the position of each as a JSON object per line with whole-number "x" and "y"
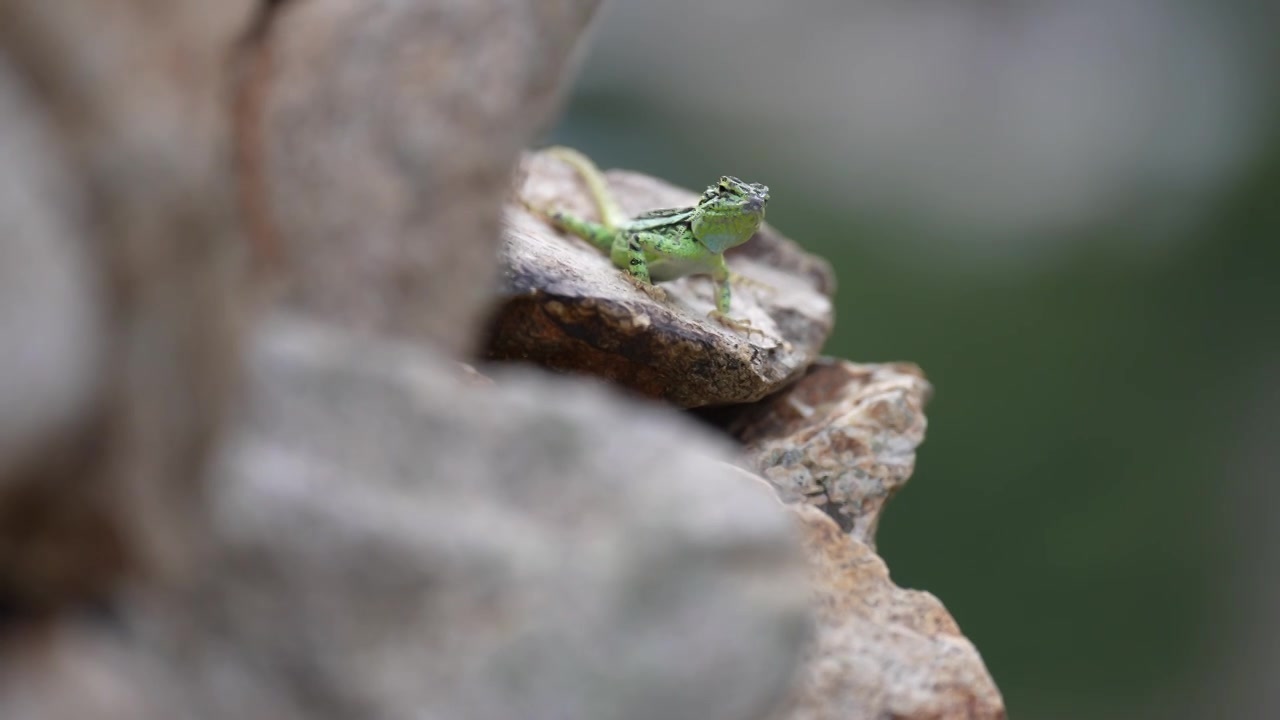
{"x": 121, "y": 274}
{"x": 374, "y": 530}
{"x": 393, "y": 541}
{"x": 390, "y": 540}
{"x": 565, "y": 305}
{"x": 383, "y": 145}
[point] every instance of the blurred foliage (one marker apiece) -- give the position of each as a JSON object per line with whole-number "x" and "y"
{"x": 1064, "y": 502}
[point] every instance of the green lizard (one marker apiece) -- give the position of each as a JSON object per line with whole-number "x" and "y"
{"x": 671, "y": 243}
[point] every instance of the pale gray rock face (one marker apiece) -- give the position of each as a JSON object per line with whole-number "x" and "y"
{"x": 380, "y": 142}
{"x": 393, "y": 541}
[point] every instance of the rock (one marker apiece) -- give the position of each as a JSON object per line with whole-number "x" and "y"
{"x": 378, "y": 142}
{"x": 843, "y": 438}
{"x": 382, "y": 532}
{"x": 50, "y": 294}
{"x": 565, "y": 306}
{"x": 122, "y": 318}
{"x": 837, "y": 444}
{"x": 81, "y": 667}
{"x": 395, "y": 541}
{"x": 881, "y": 651}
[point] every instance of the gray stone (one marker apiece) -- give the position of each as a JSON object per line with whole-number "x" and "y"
{"x": 393, "y": 540}
{"x": 380, "y": 141}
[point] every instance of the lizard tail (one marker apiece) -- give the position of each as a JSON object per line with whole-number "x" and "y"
{"x": 610, "y": 214}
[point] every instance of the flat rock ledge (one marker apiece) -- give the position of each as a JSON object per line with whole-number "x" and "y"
{"x": 565, "y": 306}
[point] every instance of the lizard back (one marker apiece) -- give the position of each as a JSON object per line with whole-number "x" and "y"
{"x": 663, "y": 217}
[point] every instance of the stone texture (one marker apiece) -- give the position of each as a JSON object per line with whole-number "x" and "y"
{"x": 378, "y": 143}
{"x": 843, "y": 438}
{"x": 836, "y": 445}
{"x": 881, "y": 651}
{"x": 565, "y": 306}
{"x": 394, "y": 541}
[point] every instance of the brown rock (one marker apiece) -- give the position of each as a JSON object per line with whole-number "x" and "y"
{"x": 881, "y": 651}
{"x": 567, "y": 307}
{"x": 382, "y": 137}
{"x": 841, "y": 441}
{"x": 843, "y": 438}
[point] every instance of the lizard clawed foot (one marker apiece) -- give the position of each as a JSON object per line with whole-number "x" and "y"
{"x": 742, "y": 326}
{"x": 649, "y": 289}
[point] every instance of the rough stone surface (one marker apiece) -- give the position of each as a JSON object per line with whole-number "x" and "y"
{"x": 380, "y": 137}
{"x": 837, "y": 444}
{"x": 843, "y": 438}
{"x": 567, "y": 307}
{"x": 394, "y": 541}
{"x": 881, "y": 651}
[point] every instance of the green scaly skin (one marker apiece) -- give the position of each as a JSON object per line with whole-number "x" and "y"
{"x": 667, "y": 244}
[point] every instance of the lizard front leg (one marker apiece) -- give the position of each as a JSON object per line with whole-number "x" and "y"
{"x": 720, "y": 277}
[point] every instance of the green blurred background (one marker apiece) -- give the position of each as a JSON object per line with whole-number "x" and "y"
{"x": 1067, "y": 213}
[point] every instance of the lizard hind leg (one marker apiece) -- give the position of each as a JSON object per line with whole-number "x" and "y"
{"x": 594, "y": 233}
{"x": 628, "y": 254}
{"x": 721, "y": 277}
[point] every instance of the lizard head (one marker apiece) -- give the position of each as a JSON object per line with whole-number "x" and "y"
{"x": 729, "y": 213}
